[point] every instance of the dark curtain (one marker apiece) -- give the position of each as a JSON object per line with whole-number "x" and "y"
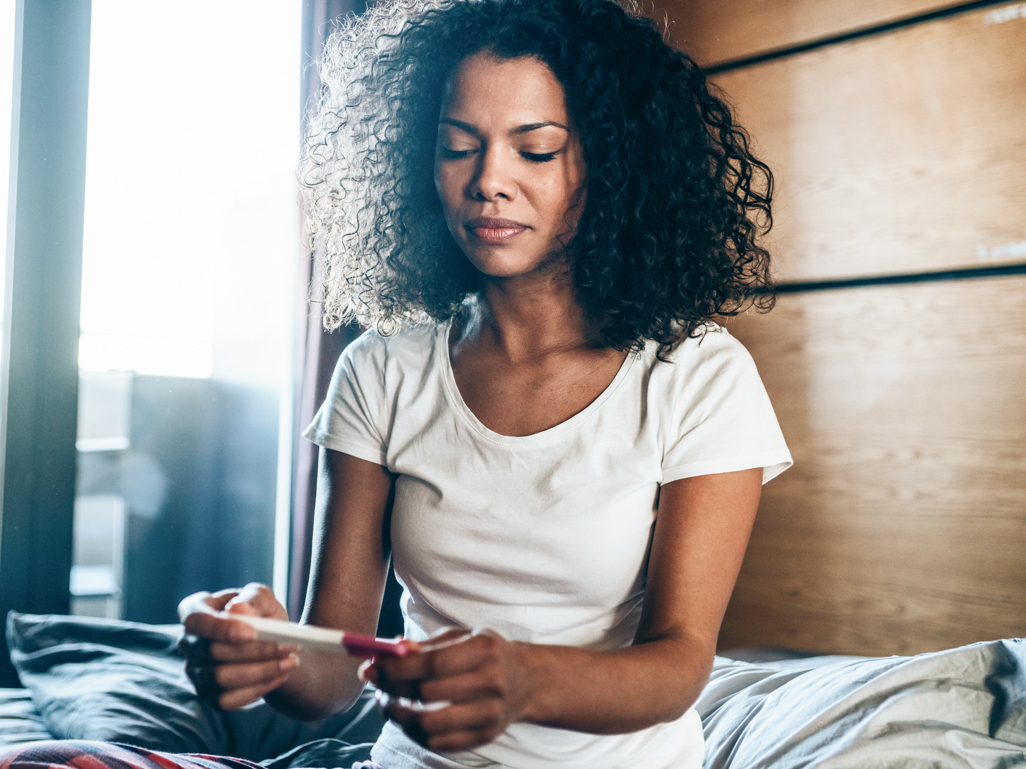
{"x": 317, "y": 349}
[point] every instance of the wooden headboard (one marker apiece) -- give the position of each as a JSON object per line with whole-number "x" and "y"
{"x": 896, "y": 355}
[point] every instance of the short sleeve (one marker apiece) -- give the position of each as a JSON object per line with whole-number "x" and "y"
{"x": 721, "y": 419}
{"x": 352, "y": 418}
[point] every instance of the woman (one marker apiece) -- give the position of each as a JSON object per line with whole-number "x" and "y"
{"x": 539, "y": 208}
{"x": 548, "y": 204}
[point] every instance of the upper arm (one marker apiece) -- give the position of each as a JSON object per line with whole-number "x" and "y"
{"x": 351, "y": 549}
{"x": 701, "y": 531}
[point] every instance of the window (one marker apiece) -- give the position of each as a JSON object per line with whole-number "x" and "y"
{"x": 191, "y": 255}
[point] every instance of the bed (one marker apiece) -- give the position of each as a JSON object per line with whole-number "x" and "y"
{"x": 123, "y": 682}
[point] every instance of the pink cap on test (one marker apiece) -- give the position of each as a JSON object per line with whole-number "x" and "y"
{"x": 368, "y": 646}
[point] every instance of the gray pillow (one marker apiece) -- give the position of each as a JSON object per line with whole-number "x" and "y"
{"x": 116, "y": 681}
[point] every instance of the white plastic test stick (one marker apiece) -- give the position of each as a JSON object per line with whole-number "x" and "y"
{"x": 291, "y": 633}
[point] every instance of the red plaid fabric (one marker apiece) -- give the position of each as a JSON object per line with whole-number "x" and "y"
{"x": 83, "y": 754}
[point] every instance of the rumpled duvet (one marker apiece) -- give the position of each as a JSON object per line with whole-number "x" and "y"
{"x": 958, "y": 708}
{"x": 961, "y": 708}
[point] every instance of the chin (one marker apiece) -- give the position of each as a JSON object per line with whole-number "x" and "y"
{"x": 496, "y": 265}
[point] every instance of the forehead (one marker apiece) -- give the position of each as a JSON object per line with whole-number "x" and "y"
{"x": 485, "y": 89}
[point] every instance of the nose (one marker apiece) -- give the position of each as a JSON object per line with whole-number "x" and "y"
{"x": 494, "y": 179}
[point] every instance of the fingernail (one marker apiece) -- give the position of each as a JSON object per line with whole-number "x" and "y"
{"x": 288, "y": 663}
{"x": 364, "y": 672}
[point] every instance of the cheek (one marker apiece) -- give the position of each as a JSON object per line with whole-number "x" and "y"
{"x": 556, "y": 196}
{"x": 448, "y": 189}
{"x": 545, "y": 188}
{"x": 449, "y": 197}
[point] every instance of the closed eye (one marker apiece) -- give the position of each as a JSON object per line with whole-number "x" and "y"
{"x": 449, "y": 154}
{"x": 538, "y": 157}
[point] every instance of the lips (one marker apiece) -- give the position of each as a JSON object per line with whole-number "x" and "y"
{"x": 493, "y": 230}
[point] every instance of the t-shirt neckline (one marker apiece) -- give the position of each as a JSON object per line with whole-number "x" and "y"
{"x": 552, "y": 433}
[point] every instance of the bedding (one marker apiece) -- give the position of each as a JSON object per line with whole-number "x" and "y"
{"x": 960, "y": 708}
{"x": 125, "y": 682}
{"x": 19, "y": 720}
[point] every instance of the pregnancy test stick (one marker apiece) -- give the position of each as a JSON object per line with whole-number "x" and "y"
{"x": 335, "y": 641}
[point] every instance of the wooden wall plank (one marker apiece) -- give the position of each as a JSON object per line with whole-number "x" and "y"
{"x": 900, "y": 153}
{"x": 902, "y": 526}
{"x": 716, "y": 31}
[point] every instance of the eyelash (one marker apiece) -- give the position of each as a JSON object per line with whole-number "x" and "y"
{"x": 533, "y": 157}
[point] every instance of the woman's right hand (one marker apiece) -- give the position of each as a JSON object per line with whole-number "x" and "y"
{"x": 228, "y": 667}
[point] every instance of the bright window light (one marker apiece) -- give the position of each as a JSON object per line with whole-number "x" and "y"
{"x": 155, "y": 356}
{"x": 191, "y": 243}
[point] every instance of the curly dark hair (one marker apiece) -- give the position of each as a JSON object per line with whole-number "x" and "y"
{"x": 674, "y": 198}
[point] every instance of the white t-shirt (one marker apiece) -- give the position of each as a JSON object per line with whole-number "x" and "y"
{"x": 543, "y": 538}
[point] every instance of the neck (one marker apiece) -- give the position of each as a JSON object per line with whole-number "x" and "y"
{"x": 532, "y": 316}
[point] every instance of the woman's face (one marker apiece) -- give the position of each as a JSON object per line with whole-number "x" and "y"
{"x": 508, "y": 164}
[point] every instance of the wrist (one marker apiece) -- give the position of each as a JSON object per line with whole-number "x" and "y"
{"x": 532, "y": 690}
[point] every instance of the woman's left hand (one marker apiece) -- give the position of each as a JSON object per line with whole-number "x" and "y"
{"x": 456, "y": 691}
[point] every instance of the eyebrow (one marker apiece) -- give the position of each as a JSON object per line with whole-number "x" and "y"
{"x": 518, "y": 130}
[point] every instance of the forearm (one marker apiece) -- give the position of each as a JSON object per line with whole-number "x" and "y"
{"x": 613, "y": 692}
{"x": 321, "y": 685}
{"x": 347, "y": 580}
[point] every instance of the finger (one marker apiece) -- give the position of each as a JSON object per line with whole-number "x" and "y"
{"x": 256, "y": 600}
{"x": 453, "y": 656}
{"x": 202, "y": 602}
{"x": 475, "y": 716}
{"x": 368, "y": 671}
{"x": 412, "y": 667}
{"x": 205, "y": 602}
{"x": 406, "y": 717}
{"x": 247, "y": 674}
{"x": 466, "y": 687}
{"x": 217, "y": 627}
{"x": 464, "y": 725}
{"x": 213, "y": 681}
{"x": 238, "y": 698}
{"x": 249, "y": 652}
{"x": 408, "y": 689}
{"x": 200, "y": 650}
